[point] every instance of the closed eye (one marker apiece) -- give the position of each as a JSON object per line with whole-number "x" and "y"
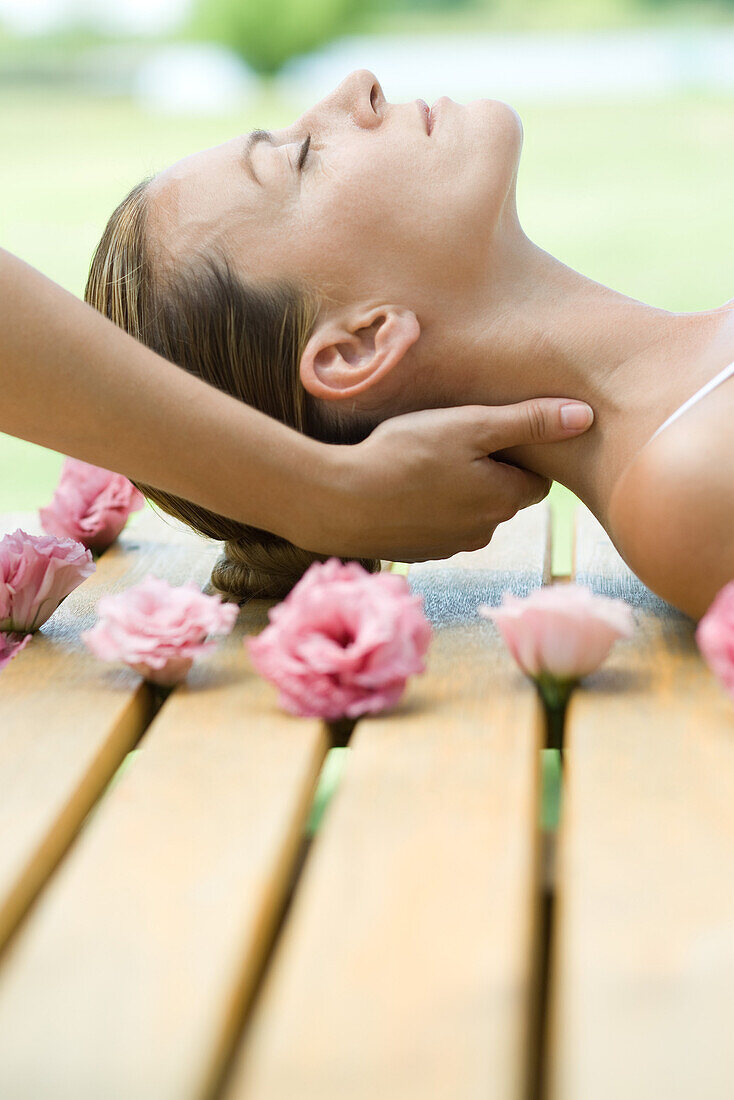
{"x": 304, "y": 152}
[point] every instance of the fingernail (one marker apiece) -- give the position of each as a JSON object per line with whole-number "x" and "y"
{"x": 577, "y": 416}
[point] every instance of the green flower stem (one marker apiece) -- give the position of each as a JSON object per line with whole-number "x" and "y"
{"x": 555, "y": 695}
{"x": 340, "y": 730}
{"x": 555, "y": 720}
{"x": 551, "y": 789}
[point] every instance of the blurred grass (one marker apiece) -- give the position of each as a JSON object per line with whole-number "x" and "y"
{"x": 552, "y": 15}
{"x": 634, "y": 194}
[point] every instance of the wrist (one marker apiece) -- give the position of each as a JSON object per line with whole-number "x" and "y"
{"x": 298, "y": 462}
{"x": 260, "y": 471}
{"x": 318, "y": 513}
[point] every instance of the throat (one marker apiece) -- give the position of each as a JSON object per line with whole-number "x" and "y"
{"x": 630, "y": 403}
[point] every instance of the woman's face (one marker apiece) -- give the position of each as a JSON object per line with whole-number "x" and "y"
{"x": 373, "y": 208}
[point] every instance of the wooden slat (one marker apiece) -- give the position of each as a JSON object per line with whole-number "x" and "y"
{"x": 67, "y": 719}
{"x": 130, "y": 976}
{"x": 405, "y": 968}
{"x": 643, "y": 967}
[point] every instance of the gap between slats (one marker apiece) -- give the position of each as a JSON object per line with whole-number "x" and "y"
{"x": 642, "y": 989}
{"x": 48, "y": 830}
{"x": 373, "y": 726}
{"x": 49, "y": 923}
{"x": 277, "y": 925}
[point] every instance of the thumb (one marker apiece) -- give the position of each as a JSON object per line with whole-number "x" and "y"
{"x": 540, "y": 420}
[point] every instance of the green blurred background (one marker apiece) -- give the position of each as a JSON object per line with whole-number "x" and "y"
{"x": 628, "y": 181}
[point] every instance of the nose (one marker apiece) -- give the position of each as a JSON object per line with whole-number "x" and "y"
{"x": 364, "y": 91}
{"x": 359, "y": 96}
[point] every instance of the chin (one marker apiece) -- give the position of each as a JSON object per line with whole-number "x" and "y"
{"x": 499, "y": 136}
{"x": 504, "y": 125}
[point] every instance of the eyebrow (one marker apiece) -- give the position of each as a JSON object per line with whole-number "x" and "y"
{"x": 252, "y": 140}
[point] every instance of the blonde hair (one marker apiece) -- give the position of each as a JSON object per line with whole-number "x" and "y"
{"x": 246, "y": 340}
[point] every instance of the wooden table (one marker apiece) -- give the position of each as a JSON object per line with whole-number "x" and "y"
{"x": 170, "y": 932}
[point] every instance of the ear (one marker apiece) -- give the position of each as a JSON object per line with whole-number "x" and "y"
{"x": 349, "y": 354}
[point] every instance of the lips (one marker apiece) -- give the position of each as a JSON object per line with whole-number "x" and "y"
{"x": 426, "y": 112}
{"x": 435, "y": 113}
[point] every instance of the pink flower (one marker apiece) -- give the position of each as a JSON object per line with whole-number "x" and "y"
{"x": 10, "y": 644}
{"x": 563, "y": 631}
{"x": 343, "y": 642}
{"x": 715, "y": 637}
{"x": 36, "y": 573}
{"x": 90, "y": 504}
{"x": 158, "y": 629}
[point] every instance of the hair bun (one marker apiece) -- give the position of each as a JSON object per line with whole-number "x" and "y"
{"x": 251, "y": 569}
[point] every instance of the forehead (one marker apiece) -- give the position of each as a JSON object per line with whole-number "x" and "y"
{"x": 200, "y": 199}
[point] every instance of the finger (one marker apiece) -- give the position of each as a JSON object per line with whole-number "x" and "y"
{"x": 540, "y": 420}
{"x": 512, "y": 488}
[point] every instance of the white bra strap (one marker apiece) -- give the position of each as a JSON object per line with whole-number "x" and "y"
{"x": 722, "y": 376}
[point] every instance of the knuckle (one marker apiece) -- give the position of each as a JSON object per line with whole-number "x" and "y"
{"x": 536, "y": 422}
{"x": 508, "y": 509}
{"x": 487, "y": 534}
{"x": 536, "y": 490}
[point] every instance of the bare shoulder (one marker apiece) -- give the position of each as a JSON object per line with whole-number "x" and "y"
{"x": 672, "y": 511}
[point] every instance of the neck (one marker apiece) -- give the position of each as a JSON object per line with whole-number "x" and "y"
{"x": 542, "y": 329}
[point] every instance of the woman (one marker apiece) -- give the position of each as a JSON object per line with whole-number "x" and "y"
{"x": 368, "y": 261}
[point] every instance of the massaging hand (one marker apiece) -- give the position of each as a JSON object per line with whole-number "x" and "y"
{"x": 420, "y": 486}
{"x": 423, "y": 485}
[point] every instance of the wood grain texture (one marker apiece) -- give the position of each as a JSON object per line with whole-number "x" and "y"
{"x": 129, "y": 978}
{"x": 405, "y": 967}
{"x": 643, "y": 966}
{"x": 67, "y": 719}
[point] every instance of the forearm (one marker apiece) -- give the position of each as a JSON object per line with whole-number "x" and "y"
{"x": 72, "y": 381}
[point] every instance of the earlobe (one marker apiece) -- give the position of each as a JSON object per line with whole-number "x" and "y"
{"x": 345, "y": 357}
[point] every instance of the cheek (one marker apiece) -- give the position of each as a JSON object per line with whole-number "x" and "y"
{"x": 353, "y": 226}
